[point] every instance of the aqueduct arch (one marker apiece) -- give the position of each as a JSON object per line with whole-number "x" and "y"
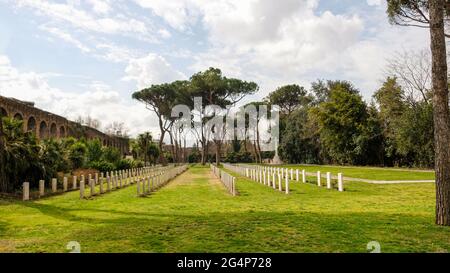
{"x": 53, "y": 131}
{"x": 43, "y": 130}
{"x": 62, "y": 131}
{"x": 4, "y": 112}
{"x": 31, "y": 124}
{"x": 45, "y": 124}
{"x": 18, "y": 116}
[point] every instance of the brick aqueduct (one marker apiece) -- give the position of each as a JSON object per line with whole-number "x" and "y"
{"x": 47, "y": 125}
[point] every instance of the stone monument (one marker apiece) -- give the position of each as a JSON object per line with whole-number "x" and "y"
{"x": 276, "y": 159}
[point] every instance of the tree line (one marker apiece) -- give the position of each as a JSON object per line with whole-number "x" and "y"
{"x": 330, "y": 123}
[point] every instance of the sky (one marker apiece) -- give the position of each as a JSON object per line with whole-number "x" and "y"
{"x": 87, "y": 57}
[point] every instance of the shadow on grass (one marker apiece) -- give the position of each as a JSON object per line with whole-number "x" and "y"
{"x": 250, "y": 231}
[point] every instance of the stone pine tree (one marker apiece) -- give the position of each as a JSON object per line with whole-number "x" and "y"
{"x": 160, "y": 99}
{"x": 434, "y": 15}
{"x": 216, "y": 89}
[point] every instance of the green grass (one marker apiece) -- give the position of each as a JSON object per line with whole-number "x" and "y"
{"x": 371, "y": 173}
{"x": 195, "y": 214}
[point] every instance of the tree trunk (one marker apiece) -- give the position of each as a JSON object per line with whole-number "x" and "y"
{"x": 162, "y": 159}
{"x": 145, "y": 153}
{"x": 3, "y": 178}
{"x": 172, "y": 148}
{"x": 441, "y": 112}
{"x": 258, "y": 143}
{"x": 255, "y": 151}
{"x": 218, "y": 146}
{"x": 204, "y": 148}
{"x": 185, "y": 152}
{"x": 206, "y": 153}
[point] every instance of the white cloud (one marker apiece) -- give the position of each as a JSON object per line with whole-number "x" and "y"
{"x": 151, "y": 69}
{"x": 267, "y": 41}
{"x": 100, "y": 6}
{"x": 98, "y": 100}
{"x": 277, "y": 44}
{"x": 71, "y": 12}
{"x": 179, "y": 14}
{"x": 67, "y": 37}
{"x": 164, "y": 33}
{"x": 114, "y": 53}
{"x": 373, "y": 2}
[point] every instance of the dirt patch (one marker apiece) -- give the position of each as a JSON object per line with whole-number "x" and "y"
{"x": 185, "y": 178}
{"x": 7, "y": 246}
{"x": 212, "y": 179}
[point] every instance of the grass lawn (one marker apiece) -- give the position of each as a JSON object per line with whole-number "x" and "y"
{"x": 194, "y": 213}
{"x": 371, "y": 173}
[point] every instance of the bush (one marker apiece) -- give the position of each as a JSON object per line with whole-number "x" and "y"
{"x": 124, "y": 164}
{"x": 194, "y": 157}
{"x": 232, "y": 157}
{"x": 94, "y": 151}
{"x": 77, "y": 154}
{"x": 137, "y": 164}
{"x": 111, "y": 155}
{"x": 102, "y": 166}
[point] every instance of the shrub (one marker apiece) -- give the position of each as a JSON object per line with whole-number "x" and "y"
{"x": 77, "y": 154}
{"x": 111, "y": 155}
{"x": 124, "y": 164}
{"x": 102, "y": 166}
{"x": 137, "y": 164}
{"x": 94, "y": 151}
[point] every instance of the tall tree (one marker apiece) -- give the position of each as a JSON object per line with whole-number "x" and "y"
{"x": 145, "y": 140}
{"x": 342, "y": 120}
{"x": 391, "y": 104}
{"x": 160, "y": 99}
{"x": 412, "y": 71}
{"x": 432, "y": 14}
{"x": 117, "y": 129}
{"x": 289, "y": 98}
{"x": 3, "y": 178}
{"x": 215, "y": 89}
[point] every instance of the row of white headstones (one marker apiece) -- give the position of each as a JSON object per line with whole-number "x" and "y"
{"x": 273, "y": 176}
{"x": 227, "y": 179}
{"x": 113, "y": 179}
{"x": 153, "y": 182}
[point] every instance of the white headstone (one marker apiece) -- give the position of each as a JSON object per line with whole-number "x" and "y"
{"x": 328, "y": 180}
{"x": 65, "y": 184}
{"x": 26, "y": 191}
{"x": 340, "y": 182}
{"x": 82, "y": 189}
{"x": 54, "y": 185}
{"x": 41, "y": 188}
{"x": 287, "y": 185}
